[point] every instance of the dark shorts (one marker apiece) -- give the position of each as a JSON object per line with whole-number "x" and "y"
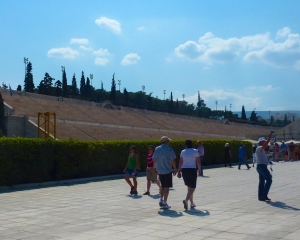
{"x": 131, "y": 172}
{"x": 189, "y": 177}
{"x": 166, "y": 180}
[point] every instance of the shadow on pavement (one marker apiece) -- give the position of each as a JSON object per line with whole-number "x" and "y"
{"x": 282, "y": 205}
{"x": 157, "y": 196}
{"x": 134, "y": 196}
{"x": 196, "y": 212}
{"x": 170, "y": 213}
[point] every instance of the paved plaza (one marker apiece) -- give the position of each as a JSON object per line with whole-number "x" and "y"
{"x": 226, "y": 199}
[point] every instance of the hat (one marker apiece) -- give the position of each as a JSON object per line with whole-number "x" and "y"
{"x": 226, "y": 144}
{"x": 164, "y": 139}
{"x": 261, "y": 139}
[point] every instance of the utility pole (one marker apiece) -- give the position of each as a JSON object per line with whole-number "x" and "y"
{"x": 119, "y": 83}
{"x": 62, "y": 85}
{"x": 230, "y": 107}
{"x": 91, "y": 77}
{"x": 216, "y": 105}
{"x": 26, "y": 62}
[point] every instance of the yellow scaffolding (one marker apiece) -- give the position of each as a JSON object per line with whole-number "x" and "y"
{"x": 47, "y": 125}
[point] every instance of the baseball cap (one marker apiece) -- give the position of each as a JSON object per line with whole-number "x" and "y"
{"x": 164, "y": 139}
{"x": 261, "y": 139}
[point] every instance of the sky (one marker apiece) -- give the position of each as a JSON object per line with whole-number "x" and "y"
{"x": 232, "y": 51}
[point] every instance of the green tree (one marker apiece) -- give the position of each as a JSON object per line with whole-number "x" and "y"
{"x": 87, "y": 88}
{"x": 253, "y": 116}
{"x": 2, "y": 123}
{"x": 28, "y": 82}
{"x": 45, "y": 86}
{"x": 125, "y": 97}
{"x": 285, "y": 119}
{"x": 272, "y": 120}
{"x": 19, "y": 88}
{"x": 82, "y": 84}
{"x": 58, "y": 86}
{"x": 64, "y": 83}
{"x": 74, "y": 89}
{"x": 171, "y": 103}
{"x": 244, "y": 117}
{"x": 113, "y": 89}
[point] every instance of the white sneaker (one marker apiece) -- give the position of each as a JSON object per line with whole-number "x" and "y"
{"x": 165, "y": 206}
{"x": 193, "y": 205}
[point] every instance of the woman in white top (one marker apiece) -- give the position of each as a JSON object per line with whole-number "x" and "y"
{"x": 189, "y": 158}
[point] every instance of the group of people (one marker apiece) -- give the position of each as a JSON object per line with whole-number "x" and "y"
{"x": 286, "y": 152}
{"x": 161, "y": 161}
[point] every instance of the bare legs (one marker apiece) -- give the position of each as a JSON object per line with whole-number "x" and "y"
{"x": 190, "y": 194}
{"x": 134, "y": 185}
{"x": 165, "y": 194}
{"x": 149, "y": 185}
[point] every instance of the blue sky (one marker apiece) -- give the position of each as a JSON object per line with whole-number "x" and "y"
{"x": 234, "y": 52}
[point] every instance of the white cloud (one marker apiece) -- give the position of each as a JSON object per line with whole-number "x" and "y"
{"x": 110, "y": 24}
{"x": 131, "y": 58}
{"x": 79, "y": 41}
{"x": 210, "y": 49}
{"x": 67, "y": 53}
{"x": 101, "y": 61}
{"x": 86, "y": 48}
{"x": 268, "y": 88}
{"x": 283, "y": 32}
{"x": 142, "y": 28}
{"x": 103, "y": 56}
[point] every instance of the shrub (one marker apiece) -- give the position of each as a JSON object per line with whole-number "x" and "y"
{"x": 38, "y": 160}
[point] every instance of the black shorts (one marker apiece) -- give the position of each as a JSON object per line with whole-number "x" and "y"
{"x": 189, "y": 177}
{"x": 166, "y": 180}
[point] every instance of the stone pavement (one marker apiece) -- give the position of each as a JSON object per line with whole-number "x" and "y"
{"x": 227, "y": 208}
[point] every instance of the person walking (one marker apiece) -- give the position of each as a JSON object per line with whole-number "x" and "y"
{"x": 227, "y": 155}
{"x": 296, "y": 152}
{"x": 265, "y": 177}
{"x": 201, "y": 155}
{"x": 189, "y": 158}
{"x": 253, "y": 154}
{"x": 163, "y": 159}
{"x": 243, "y": 157}
{"x": 276, "y": 151}
{"x": 151, "y": 173}
{"x": 283, "y": 149}
{"x": 291, "y": 150}
{"x": 131, "y": 169}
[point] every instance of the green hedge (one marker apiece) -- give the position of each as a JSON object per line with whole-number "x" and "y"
{"x": 37, "y": 160}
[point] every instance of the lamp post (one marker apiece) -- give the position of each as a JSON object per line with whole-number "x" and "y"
{"x": 143, "y": 88}
{"x": 26, "y": 62}
{"x": 164, "y": 94}
{"x": 230, "y": 107}
{"x": 183, "y": 96}
{"x": 216, "y": 105}
{"x": 91, "y": 77}
{"x": 62, "y": 83}
{"x": 119, "y": 83}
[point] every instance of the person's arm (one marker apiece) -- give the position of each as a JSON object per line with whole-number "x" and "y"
{"x": 266, "y": 143}
{"x": 174, "y": 167}
{"x": 125, "y": 169}
{"x": 179, "y": 167}
{"x": 198, "y": 164}
{"x": 137, "y": 163}
{"x": 230, "y": 154}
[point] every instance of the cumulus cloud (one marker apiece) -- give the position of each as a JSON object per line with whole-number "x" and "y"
{"x": 131, "y": 58}
{"x": 79, "y": 41}
{"x": 110, "y": 24}
{"x": 103, "y": 56}
{"x": 210, "y": 49}
{"x": 268, "y": 88}
{"x": 86, "y": 48}
{"x": 283, "y": 32}
{"x": 67, "y": 53}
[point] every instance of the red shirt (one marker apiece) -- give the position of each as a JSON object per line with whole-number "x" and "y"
{"x": 149, "y": 161}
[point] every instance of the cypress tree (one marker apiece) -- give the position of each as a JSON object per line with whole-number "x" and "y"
{"x": 113, "y": 90}
{"x": 243, "y": 113}
{"x": 28, "y": 82}
{"x": 74, "y": 90}
{"x": 64, "y": 83}
{"x": 82, "y": 84}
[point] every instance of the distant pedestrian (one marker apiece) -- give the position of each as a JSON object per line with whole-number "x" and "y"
{"x": 276, "y": 151}
{"x": 150, "y": 171}
{"x": 253, "y": 154}
{"x": 243, "y": 157}
{"x": 189, "y": 158}
{"x": 265, "y": 177}
{"x": 201, "y": 154}
{"x": 132, "y": 169}
{"x": 163, "y": 159}
{"x": 283, "y": 149}
{"x": 291, "y": 150}
{"x": 296, "y": 152}
{"x": 227, "y": 155}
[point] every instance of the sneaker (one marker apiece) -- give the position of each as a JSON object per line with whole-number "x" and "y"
{"x": 185, "y": 204}
{"x": 134, "y": 192}
{"x": 160, "y": 202}
{"x": 249, "y": 168}
{"x": 165, "y": 206}
{"x": 147, "y": 193}
{"x": 131, "y": 191}
{"x": 193, "y": 205}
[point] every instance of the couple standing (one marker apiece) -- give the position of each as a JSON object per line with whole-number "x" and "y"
{"x": 164, "y": 158}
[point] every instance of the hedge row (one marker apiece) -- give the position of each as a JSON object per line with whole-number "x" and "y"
{"x": 37, "y": 160}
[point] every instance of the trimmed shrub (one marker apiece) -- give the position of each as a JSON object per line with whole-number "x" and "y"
{"x": 38, "y": 160}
